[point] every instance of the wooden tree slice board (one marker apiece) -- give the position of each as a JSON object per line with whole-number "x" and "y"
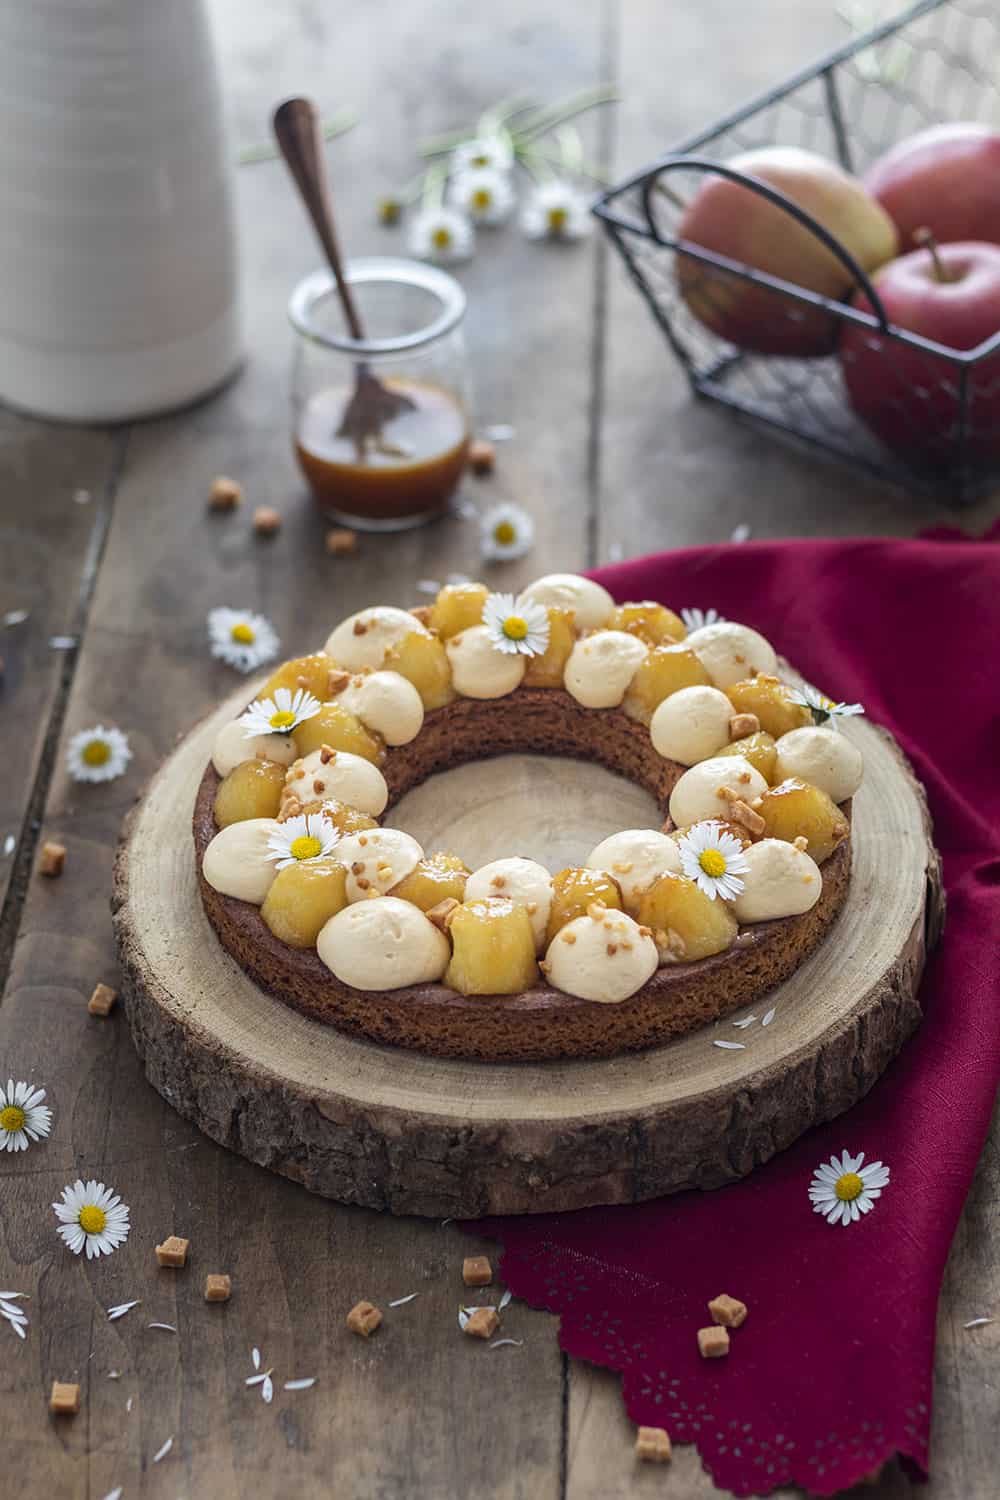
{"x": 399, "y": 1131}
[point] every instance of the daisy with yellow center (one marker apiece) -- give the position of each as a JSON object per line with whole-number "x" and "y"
{"x": 507, "y": 532}
{"x": 714, "y": 860}
{"x": 440, "y": 233}
{"x": 516, "y": 626}
{"x": 92, "y": 1217}
{"x": 301, "y": 839}
{"x": 823, "y": 709}
{"x": 843, "y": 1189}
{"x": 242, "y": 639}
{"x": 484, "y": 153}
{"x": 695, "y": 619}
{"x": 484, "y": 194}
{"x": 280, "y": 714}
{"x": 97, "y": 754}
{"x": 556, "y": 210}
{"x": 23, "y": 1116}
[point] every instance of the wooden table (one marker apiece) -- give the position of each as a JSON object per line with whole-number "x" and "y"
{"x": 104, "y": 536}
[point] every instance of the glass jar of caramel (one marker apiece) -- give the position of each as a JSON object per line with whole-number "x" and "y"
{"x": 381, "y": 425}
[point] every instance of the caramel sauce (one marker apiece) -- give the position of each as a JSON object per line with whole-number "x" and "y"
{"x": 411, "y": 470}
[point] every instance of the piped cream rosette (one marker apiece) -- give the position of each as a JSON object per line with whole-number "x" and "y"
{"x": 752, "y": 816}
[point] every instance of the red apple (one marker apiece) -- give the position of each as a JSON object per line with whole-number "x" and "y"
{"x": 734, "y": 221}
{"x": 910, "y": 396}
{"x": 947, "y": 179}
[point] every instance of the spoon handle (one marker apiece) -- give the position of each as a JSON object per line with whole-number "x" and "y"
{"x": 297, "y": 130}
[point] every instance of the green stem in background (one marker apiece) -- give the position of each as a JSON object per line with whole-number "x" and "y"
{"x": 557, "y": 114}
{"x": 432, "y": 195}
{"x": 335, "y": 126}
{"x": 490, "y": 120}
{"x": 534, "y": 158}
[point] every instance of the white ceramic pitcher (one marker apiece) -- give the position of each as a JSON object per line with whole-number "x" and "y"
{"x": 118, "y": 278}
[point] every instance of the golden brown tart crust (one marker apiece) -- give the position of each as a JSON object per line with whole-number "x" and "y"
{"x": 542, "y": 1022}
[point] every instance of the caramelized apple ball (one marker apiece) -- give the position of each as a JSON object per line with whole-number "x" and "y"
{"x": 309, "y": 672}
{"x": 345, "y": 819}
{"x": 780, "y": 881}
{"x": 691, "y": 725}
{"x": 573, "y": 890}
{"x": 771, "y": 700}
{"x": 685, "y": 923}
{"x": 794, "y": 809}
{"x": 666, "y": 670}
{"x": 383, "y": 944}
{"x": 251, "y": 790}
{"x": 548, "y": 669}
{"x": 603, "y": 956}
{"x": 522, "y": 880}
{"x": 457, "y": 606}
{"x": 493, "y": 948}
{"x": 730, "y": 652}
{"x": 303, "y": 898}
{"x": 822, "y": 756}
{"x": 759, "y": 749}
{"x": 422, "y": 660}
{"x": 337, "y": 727}
{"x": 439, "y": 877}
{"x": 634, "y": 858}
{"x": 652, "y": 623}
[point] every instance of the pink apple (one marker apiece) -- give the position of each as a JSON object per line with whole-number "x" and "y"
{"x": 734, "y": 221}
{"x": 947, "y": 178}
{"x": 908, "y": 396}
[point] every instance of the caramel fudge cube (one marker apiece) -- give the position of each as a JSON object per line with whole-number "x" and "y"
{"x": 218, "y": 1288}
{"x": 482, "y": 1324}
{"x": 225, "y": 493}
{"x": 482, "y": 456}
{"x": 728, "y": 1311}
{"x": 653, "y": 1445}
{"x": 101, "y": 1002}
{"x": 51, "y": 860}
{"x": 266, "y": 520}
{"x": 713, "y": 1342}
{"x": 476, "y": 1270}
{"x": 364, "y": 1318}
{"x": 340, "y": 542}
{"x": 65, "y": 1398}
{"x": 173, "y": 1251}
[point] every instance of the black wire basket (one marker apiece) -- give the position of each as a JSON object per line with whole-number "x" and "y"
{"x": 939, "y": 409}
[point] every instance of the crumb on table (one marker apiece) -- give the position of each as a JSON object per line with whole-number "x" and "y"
{"x": 225, "y": 493}
{"x": 652, "y": 1444}
{"x": 364, "y": 1318}
{"x": 339, "y": 542}
{"x": 266, "y": 520}
{"x": 52, "y": 860}
{"x": 730, "y": 1312}
{"x": 713, "y": 1342}
{"x": 482, "y": 456}
{"x": 65, "y": 1398}
{"x": 102, "y": 1001}
{"x": 173, "y": 1251}
{"x": 482, "y": 1324}
{"x": 476, "y": 1270}
{"x": 218, "y": 1288}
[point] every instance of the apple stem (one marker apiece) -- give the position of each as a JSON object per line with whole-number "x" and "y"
{"x": 925, "y": 238}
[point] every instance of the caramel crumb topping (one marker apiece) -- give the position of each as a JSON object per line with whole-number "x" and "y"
{"x": 740, "y": 725}
{"x": 422, "y": 613}
{"x": 360, "y": 628}
{"x": 621, "y": 867}
{"x": 645, "y": 932}
{"x": 357, "y": 868}
{"x": 744, "y": 777}
{"x": 326, "y": 754}
{"x": 319, "y": 787}
{"x": 441, "y": 914}
{"x": 611, "y": 949}
{"x": 336, "y": 682}
{"x": 596, "y": 910}
{"x": 363, "y": 884}
{"x": 531, "y": 908}
{"x": 742, "y": 813}
{"x": 801, "y": 843}
{"x": 498, "y": 882}
{"x": 568, "y": 937}
{"x": 301, "y": 681}
{"x": 361, "y": 839}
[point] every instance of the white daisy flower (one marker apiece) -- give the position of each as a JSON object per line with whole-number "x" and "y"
{"x": 558, "y": 211}
{"x": 97, "y": 754}
{"x": 507, "y": 532}
{"x": 442, "y": 234}
{"x": 94, "y": 1216}
{"x": 23, "y": 1116}
{"x": 484, "y": 194}
{"x": 824, "y": 710}
{"x": 243, "y": 640}
{"x": 308, "y": 836}
{"x": 516, "y": 626}
{"x": 484, "y": 153}
{"x": 280, "y": 714}
{"x": 694, "y": 619}
{"x": 842, "y": 1189}
{"x": 714, "y": 860}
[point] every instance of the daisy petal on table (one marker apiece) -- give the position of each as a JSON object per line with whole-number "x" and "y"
{"x": 556, "y": 210}
{"x": 305, "y": 837}
{"x": 23, "y": 1116}
{"x": 507, "y": 532}
{"x": 280, "y": 714}
{"x": 842, "y": 1189}
{"x": 483, "y": 153}
{"x": 92, "y": 1217}
{"x": 442, "y": 234}
{"x": 242, "y": 639}
{"x": 824, "y": 710}
{"x": 713, "y": 859}
{"x": 97, "y": 754}
{"x": 484, "y": 194}
{"x": 518, "y": 627}
{"x": 695, "y": 619}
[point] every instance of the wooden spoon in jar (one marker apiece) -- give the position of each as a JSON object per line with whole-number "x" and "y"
{"x": 297, "y": 130}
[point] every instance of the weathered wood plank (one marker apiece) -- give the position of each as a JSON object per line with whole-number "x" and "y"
{"x": 54, "y": 505}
